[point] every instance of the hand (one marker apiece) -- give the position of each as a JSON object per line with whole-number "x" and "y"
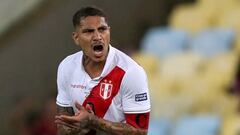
{"x": 79, "y": 122}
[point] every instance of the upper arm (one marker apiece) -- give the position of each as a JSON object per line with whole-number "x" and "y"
{"x": 140, "y": 120}
{"x": 136, "y": 100}
{"x": 135, "y": 92}
{"x": 63, "y": 96}
{"x": 63, "y": 100}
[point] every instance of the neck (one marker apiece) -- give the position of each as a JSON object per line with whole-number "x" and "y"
{"x": 94, "y": 69}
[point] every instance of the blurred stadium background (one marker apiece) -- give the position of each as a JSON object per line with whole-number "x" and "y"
{"x": 189, "y": 49}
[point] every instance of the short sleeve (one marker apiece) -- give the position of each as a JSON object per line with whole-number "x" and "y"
{"x": 135, "y": 92}
{"x": 63, "y": 96}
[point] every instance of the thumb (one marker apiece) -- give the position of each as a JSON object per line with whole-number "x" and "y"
{"x": 78, "y": 106}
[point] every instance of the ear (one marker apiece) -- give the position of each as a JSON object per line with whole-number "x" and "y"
{"x": 75, "y": 37}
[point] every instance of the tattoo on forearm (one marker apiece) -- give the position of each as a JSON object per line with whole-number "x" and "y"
{"x": 63, "y": 130}
{"x": 117, "y": 128}
{"x": 65, "y": 110}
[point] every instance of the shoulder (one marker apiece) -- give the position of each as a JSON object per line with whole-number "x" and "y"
{"x": 134, "y": 73}
{"x": 131, "y": 67}
{"x": 135, "y": 78}
{"x": 70, "y": 61}
{"x": 127, "y": 63}
{"x": 134, "y": 86}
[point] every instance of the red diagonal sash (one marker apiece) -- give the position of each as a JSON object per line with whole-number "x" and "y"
{"x": 102, "y": 94}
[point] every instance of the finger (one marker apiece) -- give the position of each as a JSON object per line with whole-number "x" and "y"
{"x": 78, "y": 106}
{"x": 77, "y": 113}
{"x": 70, "y": 125}
{"x": 89, "y": 108}
{"x": 57, "y": 117}
{"x": 68, "y": 119}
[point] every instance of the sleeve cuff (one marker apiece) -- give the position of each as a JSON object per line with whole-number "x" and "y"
{"x": 63, "y": 104}
{"x": 136, "y": 110}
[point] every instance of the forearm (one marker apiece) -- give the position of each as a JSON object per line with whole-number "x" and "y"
{"x": 62, "y": 129}
{"x": 116, "y": 128}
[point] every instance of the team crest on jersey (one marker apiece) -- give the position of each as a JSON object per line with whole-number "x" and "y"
{"x": 106, "y": 89}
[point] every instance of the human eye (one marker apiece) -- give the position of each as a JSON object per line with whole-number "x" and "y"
{"x": 87, "y": 31}
{"x": 102, "y": 29}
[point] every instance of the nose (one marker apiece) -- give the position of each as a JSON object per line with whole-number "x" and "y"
{"x": 97, "y": 36}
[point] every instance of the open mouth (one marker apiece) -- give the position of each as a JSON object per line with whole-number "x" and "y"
{"x": 98, "y": 48}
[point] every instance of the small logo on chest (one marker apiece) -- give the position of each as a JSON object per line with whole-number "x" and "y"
{"x": 78, "y": 86}
{"x": 106, "y": 89}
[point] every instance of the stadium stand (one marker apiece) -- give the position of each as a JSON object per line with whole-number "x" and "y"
{"x": 198, "y": 125}
{"x": 190, "y": 18}
{"x": 159, "y": 127}
{"x": 212, "y": 41}
{"x": 162, "y": 42}
{"x": 199, "y": 55}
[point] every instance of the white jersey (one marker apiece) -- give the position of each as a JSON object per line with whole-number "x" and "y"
{"x": 121, "y": 88}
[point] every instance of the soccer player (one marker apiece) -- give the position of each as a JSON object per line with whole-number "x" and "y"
{"x": 100, "y": 89}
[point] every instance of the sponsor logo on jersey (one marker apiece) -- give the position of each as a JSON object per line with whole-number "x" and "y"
{"x": 78, "y": 86}
{"x": 141, "y": 97}
{"x": 106, "y": 89}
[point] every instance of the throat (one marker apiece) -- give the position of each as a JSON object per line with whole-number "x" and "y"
{"x": 94, "y": 69}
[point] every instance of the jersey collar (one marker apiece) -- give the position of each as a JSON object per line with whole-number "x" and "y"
{"x": 109, "y": 65}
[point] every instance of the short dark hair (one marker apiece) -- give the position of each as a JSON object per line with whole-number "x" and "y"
{"x": 87, "y": 11}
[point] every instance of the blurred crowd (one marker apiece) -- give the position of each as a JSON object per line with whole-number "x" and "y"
{"x": 193, "y": 70}
{"x": 30, "y": 118}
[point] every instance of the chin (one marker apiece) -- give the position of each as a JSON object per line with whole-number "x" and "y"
{"x": 101, "y": 59}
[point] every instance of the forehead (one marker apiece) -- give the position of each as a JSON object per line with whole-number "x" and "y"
{"x": 93, "y": 21}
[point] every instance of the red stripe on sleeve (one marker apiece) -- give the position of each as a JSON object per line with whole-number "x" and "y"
{"x": 138, "y": 120}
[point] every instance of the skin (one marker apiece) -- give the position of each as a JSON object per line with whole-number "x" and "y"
{"x": 86, "y": 119}
{"x": 68, "y": 111}
{"x": 91, "y": 31}
{"x": 69, "y": 129}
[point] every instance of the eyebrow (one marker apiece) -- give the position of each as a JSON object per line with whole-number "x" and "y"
{"x": 103, "y": 27}
{"x": 87, "y": 30}
{"x": 92, "y": 29}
